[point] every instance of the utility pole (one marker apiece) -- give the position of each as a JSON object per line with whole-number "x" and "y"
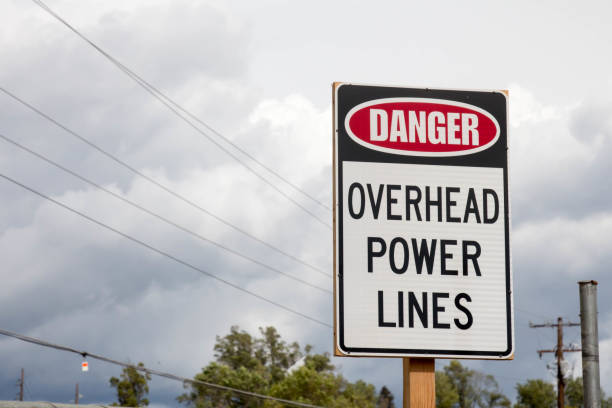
{"x": 559, "y": 350}
{"x": 21, "y": 386}
{"x": 590, "y": 343}
{"x": 76, "y": 395}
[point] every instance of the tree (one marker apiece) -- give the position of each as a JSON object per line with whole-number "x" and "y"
{"x": 574, "y": 395}
{"x": 385, "y": 398}
{"x": 131, "y": 387}
{"x": 488, "y": 394}
{"x": 467, "y": 388}
{"x": 535, "y": 394}
{"x": 325, "y": 388}
{"x": 446, "y": 393}
{"x": 461, "y": 378}
{"x": 262, "y": 365}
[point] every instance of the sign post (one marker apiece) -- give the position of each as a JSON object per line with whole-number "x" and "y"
{"x": 421, "y": 228}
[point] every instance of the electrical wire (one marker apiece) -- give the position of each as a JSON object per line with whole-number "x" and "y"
{"x": 159, "y": 217}
{"x": 158, "y": 373}
{"x": 163, "y": 253}
{"x": 161, "y": 186}
{"x": 156, "y": 93}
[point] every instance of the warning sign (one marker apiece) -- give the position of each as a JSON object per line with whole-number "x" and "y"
{"x": 422, "y": 257}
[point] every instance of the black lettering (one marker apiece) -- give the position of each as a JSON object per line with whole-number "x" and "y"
{"x": 471, "y": 207}
{"x": 375, "y": 204}
{"x": 424, "y": 254}
{"x": 445, "y": 255}
{"x": 433, "y": 203}
{"x": 473, "y": 257}
{"x": 372, "y": 253}
{"x": 358, "y": 214}
{"x": 413, "y": 201}
{"x": 381, "y": 319}
{"x": 400, "y": 309}
{"x": 451, "y": 203}
{"x": 390, "y": 200}
{"x": 437, "y": 309}
{"x": 392, "y": 263}
{"x": 468, "y": 314}
{"x": 488, "y": 192}
{"x": 413, "y": 305}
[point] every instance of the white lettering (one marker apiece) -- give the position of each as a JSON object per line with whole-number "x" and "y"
{"x": 435, "y": 133}
{"x": 416, "y": 126}
{"x": 469, "y": 123}
{"x": 452, "y": 128}
{"x": 379, "y": 116}
{"x": 398, "y": 127}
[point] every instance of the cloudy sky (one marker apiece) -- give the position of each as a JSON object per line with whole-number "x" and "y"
{"x": 260, "y": 73}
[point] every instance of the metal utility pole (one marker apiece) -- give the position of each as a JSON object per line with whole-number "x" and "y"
{"x": 559, "y": 350}
{"x": 590, "y": 343}
{"x": 76, "y": 395}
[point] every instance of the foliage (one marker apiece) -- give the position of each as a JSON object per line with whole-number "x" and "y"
{"x": 446, "y": 393}
{"x": 535, "y": 394}
{"x": 385, "y": 398}
{"x": 465, "y": 388}
{"x": 267, "y": 365}
{"x": 131, "y": 387}
{"x": 574, "y": 394}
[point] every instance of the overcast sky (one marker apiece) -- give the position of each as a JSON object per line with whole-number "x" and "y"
{"x": 260, "y": 72}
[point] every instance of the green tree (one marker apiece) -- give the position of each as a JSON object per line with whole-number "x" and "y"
{"x": 466, "y": 388}
{"x": 446, "y": 393}
{"x": 325, "y": 388}
{"x": 131, "y": 387}
{"x": 385, "y": 398}
{"x": 264, "y": 365}
{"x": 535, "y": 394}
{"x": 574, "y": 394}
{"x": 461, "y": 377}
{"x": 488, "y": 393}
{"x": 276, "y": 355}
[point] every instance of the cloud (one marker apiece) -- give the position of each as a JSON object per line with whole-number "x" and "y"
{"x": 526, "y": 109}
{"x": 262, "y": 79}
{"x": 559, "y": 166}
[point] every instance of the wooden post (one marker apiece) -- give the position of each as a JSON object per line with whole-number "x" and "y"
{"x": 419, "y": 383}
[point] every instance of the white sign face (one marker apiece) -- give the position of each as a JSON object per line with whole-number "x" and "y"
{"x": 422, "y": 263}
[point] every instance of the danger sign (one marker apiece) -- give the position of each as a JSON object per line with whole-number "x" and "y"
{"x": 422, "y": 257}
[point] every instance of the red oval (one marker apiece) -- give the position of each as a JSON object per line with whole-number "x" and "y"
{"x": 478, "y": 137}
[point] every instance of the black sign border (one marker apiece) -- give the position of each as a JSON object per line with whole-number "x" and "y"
{"x": 494, "y": 102}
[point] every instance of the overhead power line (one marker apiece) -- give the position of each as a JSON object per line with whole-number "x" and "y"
{"x": 158, "y": 373}
{"x": 159, "y": 217}
{"x": 175, "y": 107}
{"x": 163, "y": 253}
{"x": 161, "y": 186}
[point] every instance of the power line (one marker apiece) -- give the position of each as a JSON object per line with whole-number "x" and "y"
{"x": 149, "y": 370}
{"x": 163, "y": 253}
{"x": 159, "y": 217}
{"x": 160, "y": 185}
{"x": 170, "y": 104}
